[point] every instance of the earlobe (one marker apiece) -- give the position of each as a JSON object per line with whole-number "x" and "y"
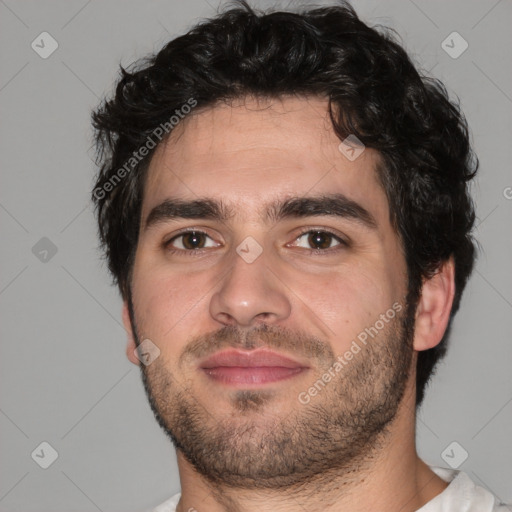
{"x": 130, "y": 345}
{"x": 434, "y": 307}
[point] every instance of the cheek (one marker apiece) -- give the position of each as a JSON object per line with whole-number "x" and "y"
{"x": 166, "y": 307}
{"x": 346, "y": 301}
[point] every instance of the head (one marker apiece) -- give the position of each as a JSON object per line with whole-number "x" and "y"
{"x": 241, "y": 121}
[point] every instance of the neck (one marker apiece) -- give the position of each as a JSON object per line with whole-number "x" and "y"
{"x": 392, "y": 478}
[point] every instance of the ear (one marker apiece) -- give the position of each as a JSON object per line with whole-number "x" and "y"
{"x": 434, "y": 307}
{"x": 130, "y": 345}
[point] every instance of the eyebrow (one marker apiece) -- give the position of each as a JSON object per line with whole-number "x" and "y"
{"x": 328, "y": 205}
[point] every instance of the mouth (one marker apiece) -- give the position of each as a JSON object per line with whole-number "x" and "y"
{"x": 250, "y": 369}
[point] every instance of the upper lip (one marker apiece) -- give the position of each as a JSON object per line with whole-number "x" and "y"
{"x": 253, "y": 359}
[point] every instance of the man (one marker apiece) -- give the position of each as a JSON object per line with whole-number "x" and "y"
{"x": 284, "y": 205}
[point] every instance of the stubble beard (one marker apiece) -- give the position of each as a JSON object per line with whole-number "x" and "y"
{"x": 338, "y": 432}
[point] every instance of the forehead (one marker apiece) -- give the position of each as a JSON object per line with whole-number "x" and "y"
{"x": 253, "y": 149}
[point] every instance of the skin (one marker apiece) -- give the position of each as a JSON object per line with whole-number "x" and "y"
{"x": 246, "y": 153}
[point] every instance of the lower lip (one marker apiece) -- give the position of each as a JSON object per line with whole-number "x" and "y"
{"x": 238, "y": 375}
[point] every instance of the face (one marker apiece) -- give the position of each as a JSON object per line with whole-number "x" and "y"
{"x": 269, "y": 277}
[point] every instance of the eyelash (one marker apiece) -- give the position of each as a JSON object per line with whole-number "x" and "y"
{"x": 317, "y": 252}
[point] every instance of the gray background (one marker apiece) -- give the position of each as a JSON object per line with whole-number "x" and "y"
{"x": 64, "y": 377}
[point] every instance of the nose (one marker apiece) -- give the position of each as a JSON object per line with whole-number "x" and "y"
{"x": 250, "y": 293}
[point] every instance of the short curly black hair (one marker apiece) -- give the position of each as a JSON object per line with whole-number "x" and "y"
{"x": 374, "y": 92}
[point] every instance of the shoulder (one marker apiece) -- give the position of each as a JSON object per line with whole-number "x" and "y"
{"x": 464, "y": 494}
{"x": 168, "y": 505}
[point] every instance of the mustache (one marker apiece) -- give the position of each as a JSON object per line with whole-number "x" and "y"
{"x": 274, "y": 337}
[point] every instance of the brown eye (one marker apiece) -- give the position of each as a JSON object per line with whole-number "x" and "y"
{"x": 190, "y": 241}
{"x": 193, "y": 240}
{"x": 320, "y": 240}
